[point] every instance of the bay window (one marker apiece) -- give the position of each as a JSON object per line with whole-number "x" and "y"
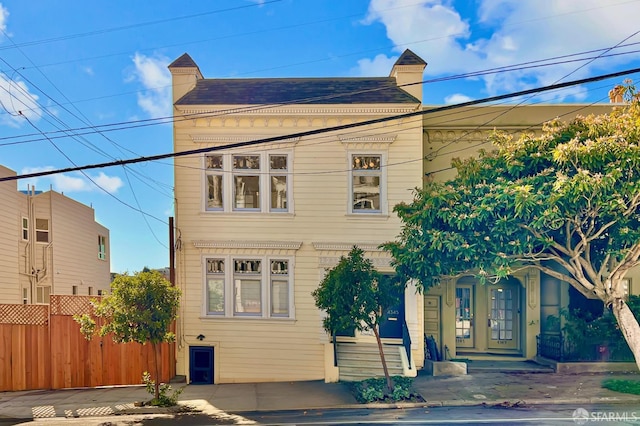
{"x": 259, "y": 286}
{"x": 247, "y": 182}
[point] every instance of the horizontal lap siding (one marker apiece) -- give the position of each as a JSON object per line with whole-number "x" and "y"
{"x": 269, "y": 350}
{"x": 10, "y": 234}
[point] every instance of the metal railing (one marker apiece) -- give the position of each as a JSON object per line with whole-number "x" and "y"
{"x": 335, "y": 350}
{"x": 406, "y": 340}
{"x": 559, "y": 348}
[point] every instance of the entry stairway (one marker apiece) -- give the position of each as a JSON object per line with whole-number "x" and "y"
{"x": 360, "y": 361}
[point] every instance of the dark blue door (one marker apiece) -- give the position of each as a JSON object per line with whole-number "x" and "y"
{"x": 201, "y": 365}
{"x": 391, "y": 325}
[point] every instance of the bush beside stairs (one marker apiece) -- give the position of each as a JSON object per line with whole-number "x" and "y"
{"x": 360, "y": 361}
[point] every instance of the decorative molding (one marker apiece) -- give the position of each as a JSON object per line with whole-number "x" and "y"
{"x": 274, "y": 245}
{"x": 331, "y": 261}
{"x": 450, "y": 288}
{"x": 212, "y": 139}
{"x": 368, "y": 139}
{"x": 532, "y": 289}
{"x": 256, "y": 110}
{"x": 341, "y": 246}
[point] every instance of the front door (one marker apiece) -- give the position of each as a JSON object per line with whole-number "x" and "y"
{"x": 464, "y": 316}
{"x": 503, "y": 316}
{"x": 391, "y": 325}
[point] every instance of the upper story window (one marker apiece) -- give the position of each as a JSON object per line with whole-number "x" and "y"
{"x": 247, "y": 182}
{"x": 102, "y": 247}
{"x": 259, "y": 286}
{"x": 25, "y": 229}
{"x": 367, "y": 183}
{"x": 42, "y": 230}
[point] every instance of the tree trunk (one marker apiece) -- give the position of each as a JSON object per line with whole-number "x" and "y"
{"x": 156, "y": 347}
{"x": 384, "y": 361}
{"x": 629, "y": 327}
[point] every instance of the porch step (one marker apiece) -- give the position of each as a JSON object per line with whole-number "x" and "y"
{"x": 360, "y": 361}
{"x": 501, "y": 366}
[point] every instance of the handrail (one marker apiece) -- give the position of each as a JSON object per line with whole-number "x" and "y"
{"x": 406, "y": 340}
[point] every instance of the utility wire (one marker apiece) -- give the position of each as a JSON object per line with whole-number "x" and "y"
{"x": 328, "y": 129}
{"x": 164, "y": 120}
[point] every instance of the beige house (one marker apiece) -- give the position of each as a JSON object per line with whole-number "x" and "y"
{"x": 258, "y": 225}
{"x": 49, "y": 244}
{"x": 469, "y": 320}
{"x": 259, "y": 218}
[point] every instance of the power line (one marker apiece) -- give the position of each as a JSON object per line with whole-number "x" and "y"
{"x": 127, "y": 27}
{"x": 81, "y": 131}
{"x": 328, "y": 129}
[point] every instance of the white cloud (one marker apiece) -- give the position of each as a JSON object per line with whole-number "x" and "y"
{"x": 380, "y": 65}
{"x": 519, "y": 31}
{"x": 154, "y": 76}
{"x": 17, "y": 103}
{"x": 4, "y": 15}
{"x": 456, "y": 98}
{"x": 69, "y": 182}
{"x": 110, "y": 183}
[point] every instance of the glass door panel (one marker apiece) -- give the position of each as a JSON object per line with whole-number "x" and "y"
{"x": 503, "y": 317}
{"x": 464, "y": 316}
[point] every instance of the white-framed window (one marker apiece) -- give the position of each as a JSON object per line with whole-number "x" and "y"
{"x": 102, "y": 247}
{"x": 253, "y": 182}
{"x": 42, "y": 230}
{"x": 367, "y": 183}
{"x": 74, "y": 290}
{"x": 25, "y": 229}
{"x": 25, "y": 296}
{"x": 249, "y": 286}
{"x": 99, "y": 292}
{"x": 90, "y": 291}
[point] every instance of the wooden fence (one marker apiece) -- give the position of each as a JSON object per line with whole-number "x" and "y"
{"x": 41, "y": 347}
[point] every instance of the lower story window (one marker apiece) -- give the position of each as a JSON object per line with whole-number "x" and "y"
{"x": 259, "y": 286}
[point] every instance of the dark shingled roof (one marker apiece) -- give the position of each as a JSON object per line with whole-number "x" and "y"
{"x": 257, "y": 91}
{"x": 410, "y": 58}
{"x": 183, "y": 61}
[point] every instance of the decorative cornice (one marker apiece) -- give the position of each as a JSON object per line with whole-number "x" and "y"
{"x": 331, "y": 261}
{"x": 240, "y": 111}
{"x": 339, "y": 246}
{"x": 389, "y": 139}
{"x": 274, "y": 245}
{"x": 236, "y": 139}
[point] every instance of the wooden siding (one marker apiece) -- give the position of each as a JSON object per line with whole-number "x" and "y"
{"x": 9, "y": 236}
{"x": 262, "y": 349}
{"x": 43, "y": 349}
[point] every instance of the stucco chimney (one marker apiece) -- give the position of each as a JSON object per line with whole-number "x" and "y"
{"x": 408, "y": 71}
{"x": 185, "y": 73}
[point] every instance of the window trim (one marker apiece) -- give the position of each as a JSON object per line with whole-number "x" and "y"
{"x": 384, "y": 208}
{"x": 41, "y": 230}
{"x": 265, "y": 174}
{"x": 265, "y": 287}
{"x": 25, "y": 229}
{"x": 102, "y": 248}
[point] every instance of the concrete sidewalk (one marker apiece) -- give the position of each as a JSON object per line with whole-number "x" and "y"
{"x": 230, "y": 399}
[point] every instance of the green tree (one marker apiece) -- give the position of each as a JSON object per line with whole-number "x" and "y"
{"x": 140, "y": 308}
{"x": 566, "y": 202}
{"x": 354, "y": 294}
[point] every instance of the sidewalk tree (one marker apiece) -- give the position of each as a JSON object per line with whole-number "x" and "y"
{"x": 566, "y": 202}
{"x": 354, "y": 295}
{"x": 140, "y": 308}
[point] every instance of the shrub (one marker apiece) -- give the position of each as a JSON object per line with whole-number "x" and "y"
{"x": 165, "y": 399}
{"x": 375, "y": 390}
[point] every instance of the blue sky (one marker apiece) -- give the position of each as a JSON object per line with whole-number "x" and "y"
{"x": 77, "y": 65}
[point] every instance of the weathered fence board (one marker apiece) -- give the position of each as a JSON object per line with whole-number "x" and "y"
{"x": 41, "y": 347}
